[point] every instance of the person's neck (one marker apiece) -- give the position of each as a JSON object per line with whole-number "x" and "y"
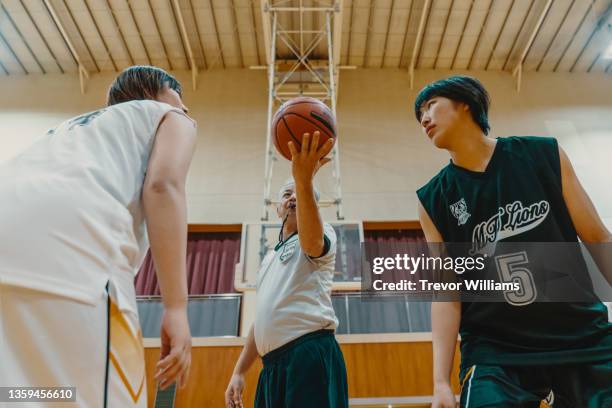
{"x": 288, "y": 231}
{"x": 473, "y": 150}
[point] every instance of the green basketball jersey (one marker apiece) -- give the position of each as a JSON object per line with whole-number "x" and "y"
{"x": 518, "y": 198}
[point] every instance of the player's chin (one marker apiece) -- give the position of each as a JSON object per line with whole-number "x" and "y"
{"x": 439, "y": 140}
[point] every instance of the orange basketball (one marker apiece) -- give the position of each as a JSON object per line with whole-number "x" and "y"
{"x": 298, "y": 116}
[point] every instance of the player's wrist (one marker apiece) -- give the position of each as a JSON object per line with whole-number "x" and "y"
{"x": 303, "y": 183}
{"x": 239, "y": 371}
{"x": 441, "y": 384}
{"x": 176, "y": 306}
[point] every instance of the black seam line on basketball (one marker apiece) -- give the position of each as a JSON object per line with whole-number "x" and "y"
{"x": 308, "y": 120}
{"x": 290, "y": 133}
{"x": 280, "y": 146}
{"x": 323, "y": 121}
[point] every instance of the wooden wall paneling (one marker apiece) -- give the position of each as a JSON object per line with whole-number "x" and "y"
{"x": 373, "y": 369}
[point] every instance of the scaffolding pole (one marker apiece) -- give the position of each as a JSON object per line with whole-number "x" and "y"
{"x": 304, "y": 76}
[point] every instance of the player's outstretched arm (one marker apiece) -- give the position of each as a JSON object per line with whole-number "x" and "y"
{"x": 166, "y": 216}
{"x": 304, "y": 165}
{"x": 233, "y": 393}
{"x": 445, "y": 319}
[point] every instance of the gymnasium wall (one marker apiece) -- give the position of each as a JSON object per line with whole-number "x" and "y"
{"x": 388, "y": 366}
{"x": 384, "y": 156}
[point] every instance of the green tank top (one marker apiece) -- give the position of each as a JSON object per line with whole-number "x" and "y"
{"x": 518, "y": 198}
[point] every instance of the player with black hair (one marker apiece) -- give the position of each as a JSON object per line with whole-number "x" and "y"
{"x": 511, "y": 356}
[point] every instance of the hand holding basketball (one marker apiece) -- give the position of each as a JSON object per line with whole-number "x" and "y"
{"x": 309, "y": 159}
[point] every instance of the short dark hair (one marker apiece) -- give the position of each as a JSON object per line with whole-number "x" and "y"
{"x": 140, "y": 82}
{"x": 459, "y": 88}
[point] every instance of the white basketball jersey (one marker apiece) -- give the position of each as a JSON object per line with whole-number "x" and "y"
{"x": 71, "y": 216}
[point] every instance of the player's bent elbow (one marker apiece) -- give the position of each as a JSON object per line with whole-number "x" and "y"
{"x": 163, "y": 186}
{"x": 314, "y": 249}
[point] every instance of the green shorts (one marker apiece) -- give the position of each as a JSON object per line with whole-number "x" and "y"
{"x": 557, "y": 386}
{"x": 306, "y": 372}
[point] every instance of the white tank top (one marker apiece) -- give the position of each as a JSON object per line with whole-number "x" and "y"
{"x": 71, "y": 215}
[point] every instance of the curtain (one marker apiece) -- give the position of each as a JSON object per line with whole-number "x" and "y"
{"x": 389, "y": 313}
{"x": 211, "y": 259}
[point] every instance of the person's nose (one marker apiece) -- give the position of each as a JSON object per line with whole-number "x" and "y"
{"x": 425, "y": 119}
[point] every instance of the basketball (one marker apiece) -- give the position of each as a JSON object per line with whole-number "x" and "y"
{"x": 298, "y": 116}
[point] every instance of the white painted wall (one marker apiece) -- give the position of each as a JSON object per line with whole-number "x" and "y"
{"x": 384, "y": 156}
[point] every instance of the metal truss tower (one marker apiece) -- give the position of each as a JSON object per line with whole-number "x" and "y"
{"x": 305, "y": 71}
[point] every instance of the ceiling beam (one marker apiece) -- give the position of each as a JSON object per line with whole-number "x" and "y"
{"x": 186, "y": 44}
{"x": 538, "y": 33}
{"x": 197, "y": 28}
{"x": 12, "y": 51}
{"x": 216, "y": 28}
{"x": 382, "y": 60}
{"x": 401, "y": 58}
{"x": 93, "y": 18}
{"x": 41, "y": 36}
{"x": 255, "y": 36}
{"x": 4, "y": 69}
{"x": 236, "y": 31}
{"x": 578, "y": 27}
{"x": 501, "y": 30}
{"x": 467, "y": 18}
{"x": 368, "y": 36}
{"x": 123, "y": 42}
{"x": 81, "y": 35}
{"x": 418, "y": 55}
{"x": 176, "y": 25}
{"x": 83, "y": 73}
{"x": 450, "y": 10}
{"x": 144, "y": 45}
{"x": 161, "y": 37}
{"x": 350, "y": 31}
{"x": 518, "y": 34}
{"x": 557, "y": 31}
{"x": 267, "y": 28}
{"x": 22, "y": 38}
{"x": 337, "y": 42}
{"x": 518, "y": 70}
{"x": 337, "y": 48}
{"x": 482, "y": 27}
{"x": 417, "y": 44}
{"x": 600, "y": 23}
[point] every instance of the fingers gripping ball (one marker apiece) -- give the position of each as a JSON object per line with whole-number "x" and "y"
{"x": 298, "y": 116}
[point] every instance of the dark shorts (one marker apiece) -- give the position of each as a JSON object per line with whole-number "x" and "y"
{"x": 306, "y": 372}
{"x": 557, "y": 386}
